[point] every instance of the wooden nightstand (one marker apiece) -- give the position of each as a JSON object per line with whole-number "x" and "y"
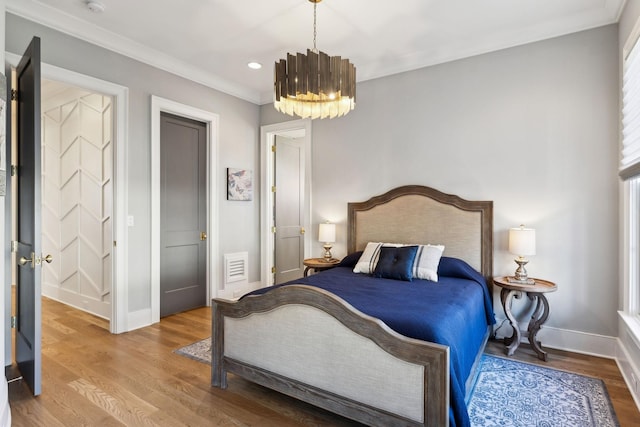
{"x": 319, "y": 264}
{"x": 534, "y": 292}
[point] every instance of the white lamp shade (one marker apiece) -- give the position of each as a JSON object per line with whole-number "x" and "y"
{"x": 522, "y": 241}
{"x": 327, "y": 232}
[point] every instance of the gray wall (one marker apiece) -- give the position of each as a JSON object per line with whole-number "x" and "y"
{"x": 533, "y": 128}
{"x": 238, "y": 137}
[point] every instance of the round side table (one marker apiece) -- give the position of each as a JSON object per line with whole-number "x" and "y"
{"x": 318, "y": 264}
{"x": 536, "y": 293}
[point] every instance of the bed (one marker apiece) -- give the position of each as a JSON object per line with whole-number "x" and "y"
{"x": 313, "y": 341}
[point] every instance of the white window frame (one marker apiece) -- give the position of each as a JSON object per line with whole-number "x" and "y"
{"x": 630, "y": 173}
{"x": 631, "y": 247}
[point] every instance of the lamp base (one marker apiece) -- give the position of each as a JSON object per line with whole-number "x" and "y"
{"x": 521, "y": 272}
{"x": 327, "y": 253}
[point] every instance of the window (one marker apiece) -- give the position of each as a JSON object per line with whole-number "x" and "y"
{"x": 630, "y": 173}
{"x": 632, "y": 246}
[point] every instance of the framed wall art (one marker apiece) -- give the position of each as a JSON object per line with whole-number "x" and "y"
{"x": 239, "y": 184}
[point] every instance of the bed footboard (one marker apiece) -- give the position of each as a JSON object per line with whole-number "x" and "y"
{"x": 309, "y": 344}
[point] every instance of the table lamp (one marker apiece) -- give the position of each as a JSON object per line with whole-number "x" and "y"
{"x": 522, "y": 242}
{"x": 327, "y": 235}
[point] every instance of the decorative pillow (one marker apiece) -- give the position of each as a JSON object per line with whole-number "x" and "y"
{"x": 427, "y": 260}
{"x": 367, "y": 262}
{"x": 396, "y": 262}
{"x": 425, "y": 265}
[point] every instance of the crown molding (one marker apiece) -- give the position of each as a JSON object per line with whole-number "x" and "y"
{"x": 70, "y": 25}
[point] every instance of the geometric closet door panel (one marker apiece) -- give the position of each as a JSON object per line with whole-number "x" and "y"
{"x": 69, "y": 267}
{"x": 91, "y": 195}
{"x": 69, "y": 194}
{"x": 78, "y": 201}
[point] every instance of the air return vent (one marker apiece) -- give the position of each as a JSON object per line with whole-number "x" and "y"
{"x": 235, "y": 267}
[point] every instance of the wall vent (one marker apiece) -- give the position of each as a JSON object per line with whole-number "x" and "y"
{"x": 235, "y": 267}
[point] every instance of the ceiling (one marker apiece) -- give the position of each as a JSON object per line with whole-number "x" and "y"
{"x": 211, "y": 41}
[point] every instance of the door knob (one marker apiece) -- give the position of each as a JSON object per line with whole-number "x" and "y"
{"x": 24, "y": 260}
{"x": 35, "y": 260}
{"x": 302, "y": 231}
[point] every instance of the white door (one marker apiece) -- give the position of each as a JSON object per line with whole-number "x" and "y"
{"x": 77, "y": 201}
{"x": 288, "y": 208}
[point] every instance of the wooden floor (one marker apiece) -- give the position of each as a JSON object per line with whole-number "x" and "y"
{"x": 92, "y": 378}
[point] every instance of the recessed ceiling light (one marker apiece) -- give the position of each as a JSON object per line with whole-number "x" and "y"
{"x": 95, "y": 6}
{"x": 254, "y": 65}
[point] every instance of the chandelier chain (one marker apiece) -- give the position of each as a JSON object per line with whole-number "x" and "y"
{"x": 315, "y": 5}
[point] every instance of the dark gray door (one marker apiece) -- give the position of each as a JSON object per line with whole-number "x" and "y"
{"x": 8, "y": 225}
{"x": 29, "y": 250}
{"x": 289, "y": 211}
{"x": 182, "y": 214}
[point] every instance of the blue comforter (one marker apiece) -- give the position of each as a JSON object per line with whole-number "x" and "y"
{"x": 455, "y": 312}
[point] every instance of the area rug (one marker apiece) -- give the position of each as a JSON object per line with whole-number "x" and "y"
{"x": 511, "y": 393}
{"x": 199, "y": 350}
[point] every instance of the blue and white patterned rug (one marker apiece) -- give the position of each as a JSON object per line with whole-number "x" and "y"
{"x": 510, "y": 393}
{"x": 515, "y": 394}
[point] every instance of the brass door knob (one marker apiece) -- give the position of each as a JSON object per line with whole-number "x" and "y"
{"x": 48, "y": 259}
{"x": 24, "y": 260}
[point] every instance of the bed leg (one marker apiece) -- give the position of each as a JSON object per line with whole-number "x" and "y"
{"x": 218, "y": 378}
{"x": 218, "y": 374}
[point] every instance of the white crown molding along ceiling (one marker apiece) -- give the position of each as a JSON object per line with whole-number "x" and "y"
{"x": 211, "y": 41}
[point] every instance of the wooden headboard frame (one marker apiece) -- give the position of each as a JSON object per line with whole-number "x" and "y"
{"x": 420, "y": 215}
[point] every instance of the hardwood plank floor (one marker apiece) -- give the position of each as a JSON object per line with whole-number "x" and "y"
{"x": 92, "y": 378}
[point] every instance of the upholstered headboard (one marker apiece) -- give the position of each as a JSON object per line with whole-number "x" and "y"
{"x": 421, "y": 215}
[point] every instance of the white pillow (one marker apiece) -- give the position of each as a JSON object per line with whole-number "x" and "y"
{"x": 425, "y": 265}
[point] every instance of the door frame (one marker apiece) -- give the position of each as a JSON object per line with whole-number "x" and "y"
{"x": 160, "y": 105}
{"x": 120, "y": 284}
{"x": 267, "y": 137}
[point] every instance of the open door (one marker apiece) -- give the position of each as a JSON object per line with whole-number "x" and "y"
{"x": 27, "y": 245}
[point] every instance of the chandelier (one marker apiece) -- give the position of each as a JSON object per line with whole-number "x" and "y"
{"x": 314, "y": 85}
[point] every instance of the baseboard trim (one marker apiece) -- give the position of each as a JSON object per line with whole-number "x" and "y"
{"x": 235, "y": 292}
{"x": 91, "y": 306}
{"x": 579, "y": 342}
{"x": 138, "y": 319}
{"x": 574, "y": 341}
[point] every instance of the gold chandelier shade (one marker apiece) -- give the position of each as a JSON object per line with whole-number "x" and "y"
{"x": 314, "y": 85}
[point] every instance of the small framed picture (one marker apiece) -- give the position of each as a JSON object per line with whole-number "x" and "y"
{"x": 239, "y": 184}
